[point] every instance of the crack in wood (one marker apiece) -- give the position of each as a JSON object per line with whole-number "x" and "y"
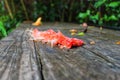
{"x": 39, "y": 62}
{"x": 22, "y": 59}
{"x": 107, "y": 59}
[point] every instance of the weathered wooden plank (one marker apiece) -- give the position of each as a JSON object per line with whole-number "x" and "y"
{"x": 22, "y": 59}
{"x": 76, "y": 64}
{"x": 104, "y": 46}
{"x": 18, "y": 58}
{"x": 91, "y": 62}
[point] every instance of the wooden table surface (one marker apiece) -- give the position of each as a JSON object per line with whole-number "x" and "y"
{"x": 24, "y": 59}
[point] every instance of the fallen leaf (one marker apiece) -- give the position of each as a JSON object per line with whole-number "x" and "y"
{"x": 92, "y": 42}
{"x": 37, "y": 22}
{"x": 73, "y": 30}
{"x": 118, "y": 42}
{"x": 73, "y": 33}
{"x": 81, "y": 34}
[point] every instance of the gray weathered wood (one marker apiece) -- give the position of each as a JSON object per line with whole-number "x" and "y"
{"x": 17, "y": 58}
{"x": 24, "y": 59}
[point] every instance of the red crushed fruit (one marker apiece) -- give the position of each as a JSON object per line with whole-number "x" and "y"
{"x": 56, "y": 38}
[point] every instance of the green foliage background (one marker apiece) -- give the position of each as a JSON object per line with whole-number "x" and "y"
{"x": 94, "y": 12}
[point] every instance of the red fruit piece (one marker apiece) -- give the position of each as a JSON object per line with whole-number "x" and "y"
{"x": 50, "y": 36}
{"x": 77, "y": 42}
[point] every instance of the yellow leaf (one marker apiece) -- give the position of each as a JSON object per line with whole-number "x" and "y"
{"x": 73, "y": 30}
{"x": 118, "y": 42}
{"x": 73, "y": 33}
{"x": 37, "y": 22}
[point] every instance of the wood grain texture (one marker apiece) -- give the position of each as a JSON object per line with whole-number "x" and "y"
{"x": 18, "y": 58}
{"x": 24, "y": 59}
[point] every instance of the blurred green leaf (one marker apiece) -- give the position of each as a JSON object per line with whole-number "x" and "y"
{"x": 114, "y": 4}
{"x": 94, "y": 18}
{"x": 82, "y": 15}
{"x": 118, "y": 15}
{"x": 81, "y": 34}
{"x": 88, "y": 12}
{"x": 105, "y": 18}
{"x": 113, "y": 17}
{"x": 2, "y": 29}
{"x": 99, "y": 3}
{"x": 4, "y": 18}
{"x": 100, "y": 22}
